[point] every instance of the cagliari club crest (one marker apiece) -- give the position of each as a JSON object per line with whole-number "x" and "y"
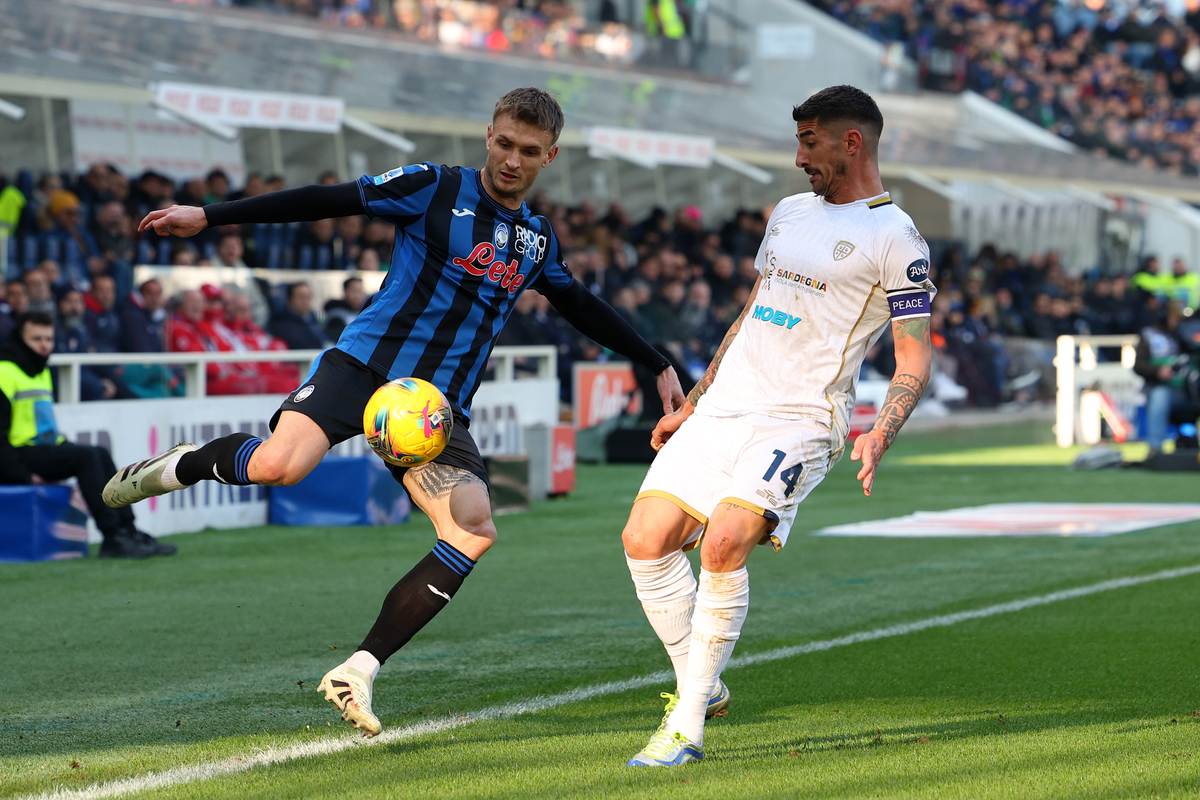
{"x": 841, "y": 250}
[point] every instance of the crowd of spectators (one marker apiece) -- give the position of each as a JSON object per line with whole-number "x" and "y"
{"x": 678, "y": 278}
{"x": 1114, "y": 77}
{"x": 71, "y": 247}
{"x": 995, "y": 319}
{"x": 89, "y": 228}
{"x": 554, "y": 29}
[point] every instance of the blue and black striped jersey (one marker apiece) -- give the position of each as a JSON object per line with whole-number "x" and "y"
{"x": 458, "y": 266}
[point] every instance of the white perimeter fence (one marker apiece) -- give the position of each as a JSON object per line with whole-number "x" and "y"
{"x": 506, "y": 414}
{"x": 1084, "y": 381}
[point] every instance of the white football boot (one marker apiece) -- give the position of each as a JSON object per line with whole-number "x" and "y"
{"x": 350, "y": 690}
{"x": 143, "y": 479}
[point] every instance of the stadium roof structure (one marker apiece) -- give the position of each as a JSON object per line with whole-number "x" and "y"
{"x": 112, "y": 49}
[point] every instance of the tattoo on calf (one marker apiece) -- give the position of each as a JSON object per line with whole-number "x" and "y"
{"x": 438, "y": 480}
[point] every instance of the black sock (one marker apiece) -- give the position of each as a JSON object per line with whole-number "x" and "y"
{"x": 416, "y": 599}
{"x": 225, "y": 460}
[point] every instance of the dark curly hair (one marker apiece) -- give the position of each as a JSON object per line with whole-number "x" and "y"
{"x": 845, "y": 104}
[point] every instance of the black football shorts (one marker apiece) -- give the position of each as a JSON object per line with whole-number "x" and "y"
{"x": 335, "y": 394}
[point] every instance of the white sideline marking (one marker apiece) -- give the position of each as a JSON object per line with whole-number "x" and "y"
{"x": 235, "y": 764}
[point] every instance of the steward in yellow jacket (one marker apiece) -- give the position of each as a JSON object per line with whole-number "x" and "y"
{"x": 32, "y": 449}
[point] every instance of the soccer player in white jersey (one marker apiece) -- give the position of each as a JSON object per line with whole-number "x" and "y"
{"x": 770, "y": 416}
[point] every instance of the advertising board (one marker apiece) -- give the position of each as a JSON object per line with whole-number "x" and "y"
{"x": 604, "y": 391}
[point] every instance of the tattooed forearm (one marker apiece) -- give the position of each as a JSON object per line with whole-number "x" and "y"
{"x": 436, "y": 481}
{"x": 901, "y": 399}
{"x": 710, "y": 374}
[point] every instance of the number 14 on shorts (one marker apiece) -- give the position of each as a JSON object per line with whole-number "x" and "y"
{"x": 789, "y": 476}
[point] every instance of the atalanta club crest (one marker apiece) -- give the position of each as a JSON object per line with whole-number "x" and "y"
{"x": 841, "y": 250}
{"x": 500, "y": 237}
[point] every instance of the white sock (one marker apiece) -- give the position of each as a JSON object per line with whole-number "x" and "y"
{"x": 667, "y": 591}
{"x": 364, "y": 662}
{"x": 169, "y": 481}
{"x": 721, "y": 605}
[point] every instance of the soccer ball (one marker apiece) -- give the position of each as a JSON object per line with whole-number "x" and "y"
{"x": 408, "y": 422}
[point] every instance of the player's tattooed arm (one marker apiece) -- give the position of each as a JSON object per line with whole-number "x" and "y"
{"x": 902, "y": 398}
{"x": 914, "y": 358}
{"x": 710, "y": 374}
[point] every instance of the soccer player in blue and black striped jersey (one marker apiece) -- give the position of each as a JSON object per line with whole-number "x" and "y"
{"x": 466, "y": 247}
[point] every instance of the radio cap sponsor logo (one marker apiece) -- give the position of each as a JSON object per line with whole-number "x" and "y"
{"x": 775, "y": 317}
{"x": 530, "y": 243}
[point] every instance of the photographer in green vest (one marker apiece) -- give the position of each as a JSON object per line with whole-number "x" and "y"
{"x": 32, "y": 450}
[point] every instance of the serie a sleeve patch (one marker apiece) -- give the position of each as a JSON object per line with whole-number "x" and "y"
{"x": 909, "y": 303}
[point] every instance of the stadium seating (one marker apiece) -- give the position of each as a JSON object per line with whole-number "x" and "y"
{"x": 1115, "y": 79}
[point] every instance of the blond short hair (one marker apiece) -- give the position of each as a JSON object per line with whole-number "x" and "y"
{"x": 533, "y": 106}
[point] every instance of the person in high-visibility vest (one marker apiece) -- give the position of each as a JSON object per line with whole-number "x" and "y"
{"x": 663, "y": 19}
{"x": 662, "y": 16}
{"x": 1151, "y": 280}
{"x": 1185, "y": 285}
{"x": 32, "y": 450}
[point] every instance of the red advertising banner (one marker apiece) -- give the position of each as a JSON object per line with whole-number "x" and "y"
{"x": 604, "y": 391}
{"x": 862, "y": 419}
{"x": 562, "y": 459}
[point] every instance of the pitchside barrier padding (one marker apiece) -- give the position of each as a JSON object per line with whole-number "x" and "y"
{"x": 503, "y": 410}
{"x": 39, "y": 523}
{"x": 342, "y": 490}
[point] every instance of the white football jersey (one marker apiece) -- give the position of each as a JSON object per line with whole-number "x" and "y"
{"x": 833, "y": 276}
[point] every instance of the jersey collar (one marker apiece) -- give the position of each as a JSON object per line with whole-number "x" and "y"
{"x": 878, "y": 201}
{"x": 523, "y": 211}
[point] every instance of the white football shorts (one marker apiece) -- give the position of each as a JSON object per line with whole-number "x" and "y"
{"x": 762, "y": 463}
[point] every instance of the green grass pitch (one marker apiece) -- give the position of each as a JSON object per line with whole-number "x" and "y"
{"x": 117, "y": 670}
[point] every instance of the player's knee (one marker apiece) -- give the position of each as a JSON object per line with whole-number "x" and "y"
{"x": 472, "y": 535}
{"x": 272, "y": 468}
{"x": 638, "y": 542}
{"x": 480, "y": 527}
{"x": 722, "y": 551}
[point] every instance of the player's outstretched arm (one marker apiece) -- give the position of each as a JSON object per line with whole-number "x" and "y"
{"x": 601, "y": 323}
{"x": 914, "y": 357}
{"x": 667, "y": 426}
{"x": 305, "y": 204}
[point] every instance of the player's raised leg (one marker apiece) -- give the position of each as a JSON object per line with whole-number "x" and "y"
{"x": 297, "y": 445}
{"x": 722, "y": 600}
{"x": 458, "y": 503}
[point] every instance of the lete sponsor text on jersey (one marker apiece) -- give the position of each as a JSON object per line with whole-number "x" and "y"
{"x": 483, "y": 261}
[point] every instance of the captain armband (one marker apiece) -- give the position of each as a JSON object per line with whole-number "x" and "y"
{"x": 907, "y": 303}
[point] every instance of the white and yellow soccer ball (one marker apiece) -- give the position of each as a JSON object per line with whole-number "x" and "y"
{"x": 408, "y": 422}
